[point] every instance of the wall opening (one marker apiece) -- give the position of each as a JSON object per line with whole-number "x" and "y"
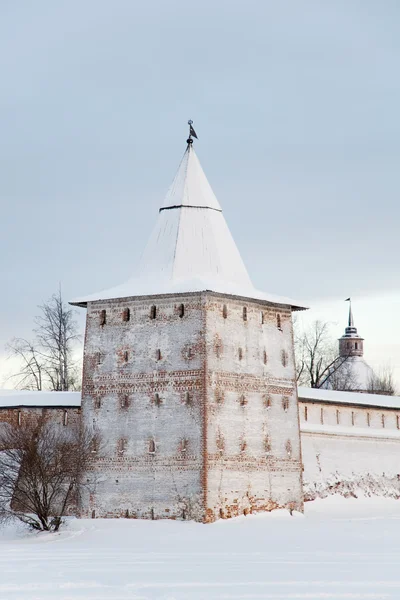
{"x": 244, "y": 313}
{"x": 285, "y": 403}
{"x": 65, "y": 418}
{"x": 279, "y": 322}
{"x": 288, "y": 448}
{"x": 122, "y": 445}
{"x": 219, "y": 396}
{"x": 337, "y": 417}
{"x": 126, "y": 356}
{"x": 181, "y": 311}
{"x": 19, "y": 418}
{"x": 284, "y": 358}
{"x": 158, "y": 354}
{"x": 103, "y": 317}
{"x": 265, "y": 357}
{"x": 126, "y": 315}
{"x": 353, "y": 418}
{"x": 224, "y": 311}
{"x": 306, "y": 413}
{"x": 243, "y": 400}
{"x": 322, "y": 416}
{"x": 383, "y": 420}
{"x": 153, "y": 312}
{"x": 152, "y": 446}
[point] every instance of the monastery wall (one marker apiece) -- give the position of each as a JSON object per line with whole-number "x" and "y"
{"x": 350, "y": 449}
{"x": 22, "y": 416}
{"x": 253, "y": 441}
{"x": 143, "y": 391}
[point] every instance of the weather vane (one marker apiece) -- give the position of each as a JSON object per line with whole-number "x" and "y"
{"x": 192, "y": 133}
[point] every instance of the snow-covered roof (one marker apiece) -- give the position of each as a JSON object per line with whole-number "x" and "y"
{"x": 16, "y": 398}
{"x": 191, "y": 248}
{"x": 356, "y": 369}
{"x": 355, "y": 398}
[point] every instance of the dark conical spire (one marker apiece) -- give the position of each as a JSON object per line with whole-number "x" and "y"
{"x": 351, "y": 320}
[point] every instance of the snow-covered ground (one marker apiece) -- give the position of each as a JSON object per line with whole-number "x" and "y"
{"x": 341, "y": 549}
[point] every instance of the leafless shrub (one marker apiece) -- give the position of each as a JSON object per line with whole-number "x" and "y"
{"x": 382, "y": 382}
{"x": 41, "y": 471}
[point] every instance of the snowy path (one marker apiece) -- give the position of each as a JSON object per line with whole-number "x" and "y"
{"x": 340, "y": 550}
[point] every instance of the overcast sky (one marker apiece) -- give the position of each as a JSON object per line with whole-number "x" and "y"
{"x": 296, "y": 105}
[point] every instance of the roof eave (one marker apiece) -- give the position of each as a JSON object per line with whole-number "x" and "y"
{"x": 293, "y": 307}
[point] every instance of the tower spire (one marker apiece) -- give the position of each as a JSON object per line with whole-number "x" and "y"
{"x": 351, "y": 320}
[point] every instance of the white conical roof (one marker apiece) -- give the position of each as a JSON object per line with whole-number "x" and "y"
{"x": 191, "y": 248}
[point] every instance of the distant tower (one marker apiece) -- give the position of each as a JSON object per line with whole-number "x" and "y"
{"x": 189, "y": 376}
{"x": 351, "y": 344}
{"x": 353, "y": 374}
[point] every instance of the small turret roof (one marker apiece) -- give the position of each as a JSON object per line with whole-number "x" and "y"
{"x": 191, "y": 248}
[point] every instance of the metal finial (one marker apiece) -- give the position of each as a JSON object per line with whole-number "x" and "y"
{"x": 192, "y": 133}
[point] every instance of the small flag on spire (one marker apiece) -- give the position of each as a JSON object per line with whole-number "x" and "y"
{"x": 192, "y": 132}
{"x": 348, "y": 300}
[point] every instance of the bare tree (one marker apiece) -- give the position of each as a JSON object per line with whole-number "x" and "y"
{"x": 382, "y": 382}
{"x": 47, "y": 361}
{"x": 317, "y": 359}
{"x": 56, "y": 332}
{"x": 30, "y": 374}
{"x": 41, "y": 471}
{"x": 344, "y": 378}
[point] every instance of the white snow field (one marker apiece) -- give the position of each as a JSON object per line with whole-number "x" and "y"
{"x": 341, "y": 549}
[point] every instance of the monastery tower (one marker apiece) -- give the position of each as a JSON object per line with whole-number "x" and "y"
{"x": 189, "y": 376}
{"x": 354, "y": 373}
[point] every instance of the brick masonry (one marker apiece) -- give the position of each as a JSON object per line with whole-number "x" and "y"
{"x": 196, "y": 406}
